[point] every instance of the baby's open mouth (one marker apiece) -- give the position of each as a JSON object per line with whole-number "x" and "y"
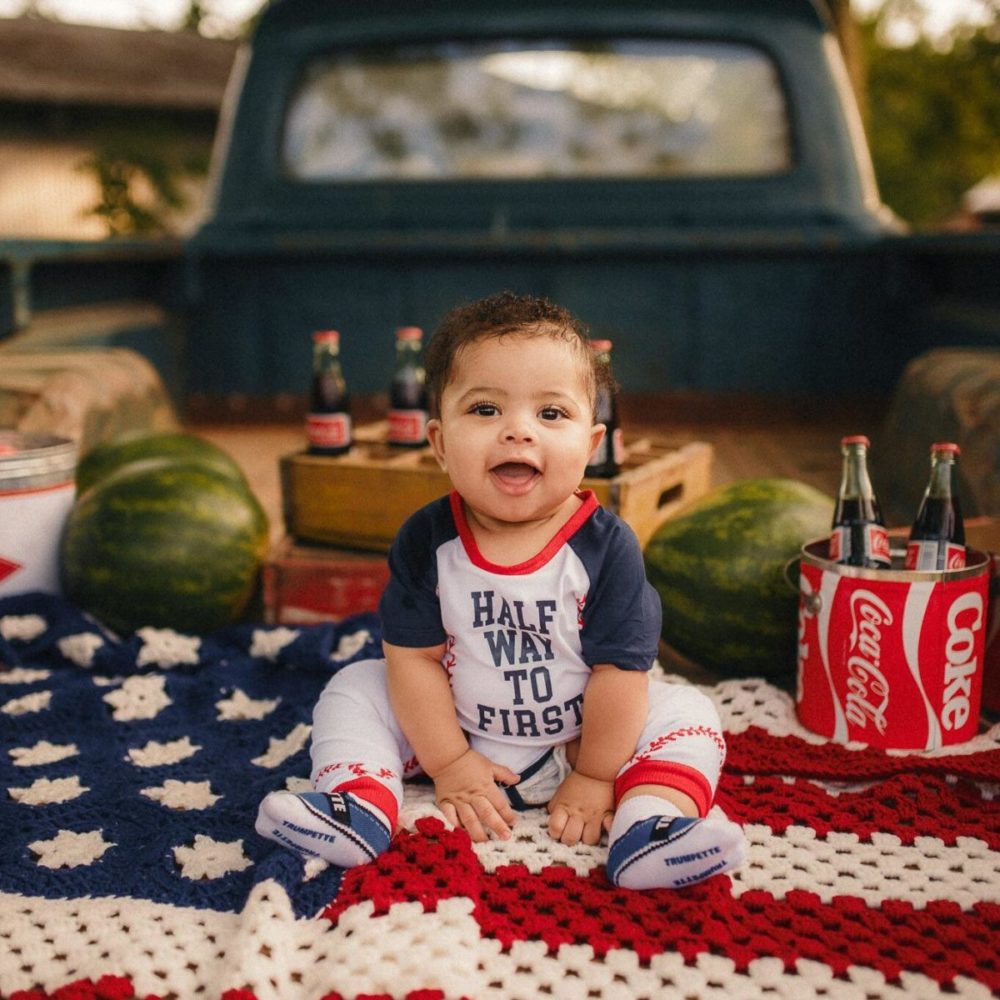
{"x": 515, "y": 473}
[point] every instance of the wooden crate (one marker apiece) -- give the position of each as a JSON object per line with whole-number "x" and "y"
{"x": 305, "y": 584}
{"x": 360, "y": 500}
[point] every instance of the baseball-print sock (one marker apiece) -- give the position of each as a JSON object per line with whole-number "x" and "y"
{"x": 653, "y": 846}
{"x": 339, "y": 827}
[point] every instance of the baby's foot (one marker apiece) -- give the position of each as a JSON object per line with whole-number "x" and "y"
{"x": 674, "y": 851}
{"x": 339, "y": 827}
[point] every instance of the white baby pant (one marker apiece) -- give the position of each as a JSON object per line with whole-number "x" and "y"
{"x": 356, "y": 741}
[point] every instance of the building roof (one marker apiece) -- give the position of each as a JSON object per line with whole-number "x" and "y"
{"x": 48, "y": 62}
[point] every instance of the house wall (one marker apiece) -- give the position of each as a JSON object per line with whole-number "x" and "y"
{"x": 46, "y": 194}
{"x": 43, "y": 192}
{"x": 70, "y": 91}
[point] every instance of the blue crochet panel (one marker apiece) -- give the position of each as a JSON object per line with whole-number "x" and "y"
{"x": 133, "y": 766}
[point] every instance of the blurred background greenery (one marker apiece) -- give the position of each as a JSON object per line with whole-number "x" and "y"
{"x": 931, "y": 103}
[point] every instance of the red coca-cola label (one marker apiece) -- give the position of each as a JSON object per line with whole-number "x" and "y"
{"x": 926, "y": 555}
{"x": 891, "y": 663}
{"x": 408, "y": 426}
{"x": 840, "y": 544}
{"x": 328, "y": 430}
{"x": 876, "y": 544}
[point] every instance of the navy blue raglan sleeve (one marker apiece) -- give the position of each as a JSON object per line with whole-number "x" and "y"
{"x": 409, "y": 609}
{"x": 622, "y": 616}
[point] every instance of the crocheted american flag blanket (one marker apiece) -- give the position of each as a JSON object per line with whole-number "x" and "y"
{"x": 132, "y": 768}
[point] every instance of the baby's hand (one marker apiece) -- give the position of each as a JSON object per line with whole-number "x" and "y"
{"x": 581, "y": 809}
{"x": 467, "y": 794}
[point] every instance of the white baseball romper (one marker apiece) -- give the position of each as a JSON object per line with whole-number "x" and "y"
{"x": 520, "y": 644}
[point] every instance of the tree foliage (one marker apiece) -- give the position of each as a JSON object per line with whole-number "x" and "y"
{"x": 140, "y": 174}
{"x": 933, "y": 111}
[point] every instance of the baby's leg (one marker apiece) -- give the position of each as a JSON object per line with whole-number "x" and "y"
{"x": 357, "y": 753}
{"x": 662, "y": 835}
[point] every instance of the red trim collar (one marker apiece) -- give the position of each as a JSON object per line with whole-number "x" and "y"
{"x": 587, "y": 507}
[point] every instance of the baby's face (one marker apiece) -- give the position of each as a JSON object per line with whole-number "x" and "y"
{"x": 516, "y": 426}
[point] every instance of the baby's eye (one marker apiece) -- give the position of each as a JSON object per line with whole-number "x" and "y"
{"x": 484, "y": 409}
{"x": 551, "y": 413}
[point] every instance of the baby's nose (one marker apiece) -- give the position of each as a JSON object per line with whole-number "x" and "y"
{"x": 518, "y": 429}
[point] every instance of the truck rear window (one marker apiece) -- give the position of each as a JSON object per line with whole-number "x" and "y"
{"x": 457, "y": 111}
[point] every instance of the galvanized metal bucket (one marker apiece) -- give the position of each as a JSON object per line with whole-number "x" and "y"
{"x": 37, "y": 486}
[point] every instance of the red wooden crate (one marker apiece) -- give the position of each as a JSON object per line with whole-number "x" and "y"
{"x": 306, "y": 584}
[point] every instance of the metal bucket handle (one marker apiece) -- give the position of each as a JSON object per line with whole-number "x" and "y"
{"x": 812, "y": 602}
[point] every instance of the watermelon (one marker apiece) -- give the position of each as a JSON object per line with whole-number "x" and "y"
{"x": 108, "y": 456}
{"x": 720, "y": 571}
{"x": 166, "y": 543}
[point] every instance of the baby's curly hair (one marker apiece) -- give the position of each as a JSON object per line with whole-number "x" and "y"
{"x": 497, "y": 316}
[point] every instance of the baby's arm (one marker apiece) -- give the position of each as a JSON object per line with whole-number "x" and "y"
{"x": 615, "y": 705}
{"x": 464, "y": 780}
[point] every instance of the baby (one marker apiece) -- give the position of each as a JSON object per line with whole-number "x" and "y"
{"x": 518, "y": 632}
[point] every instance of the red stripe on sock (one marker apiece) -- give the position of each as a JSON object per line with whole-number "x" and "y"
{"x": 374, "y": 793}
{"x": 671, "y": 775}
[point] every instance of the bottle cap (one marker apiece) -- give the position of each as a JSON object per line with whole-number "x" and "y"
{"x": 326, "y": 337}
{"x": 409, "y": 333}
{"x": 856, "y": 439}
{"x": 947, "y": 446}
{"x": 600, "y": 345}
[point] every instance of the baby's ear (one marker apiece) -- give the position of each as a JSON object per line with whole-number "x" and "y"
{"x": 435, "y": 436}
{"x": 597, "y": 433}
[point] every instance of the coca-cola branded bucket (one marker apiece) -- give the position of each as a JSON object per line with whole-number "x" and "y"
{"x": 37, "y": 487}
{"x": 892, "y": 658}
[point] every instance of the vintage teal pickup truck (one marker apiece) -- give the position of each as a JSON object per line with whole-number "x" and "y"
{"x": 690, "y": 176}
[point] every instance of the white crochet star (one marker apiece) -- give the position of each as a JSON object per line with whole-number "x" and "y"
{"x": 80, "y": 648}
{"x": 154, "y": 754}
{"x": 183, "y": 795}
{"x": 46, "y": 791}
{"x": 22, "y": 628}
{"x": 350, "y": 644}
{"x": 208, "y": 858}
{"x": 267, "y": 643}
{"x": 279, "y": 750}
{"x": 69, "y": 849}
{"x": 166, "y": 648}
{"x": 139, "y": 698}
{"x": 38, "y": 701}
{"x": 240, "y": 706}
{"x": 42, "y": 752}
{"x": 23, "y": 675}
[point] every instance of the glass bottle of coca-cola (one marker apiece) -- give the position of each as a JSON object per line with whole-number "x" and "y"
{"x": 937, "y": 538}
{"x": 608, "y": 456}
{"x": 408, "y": 409}
{"x": 328, "y": 422}
{"x": 859, "y": 537}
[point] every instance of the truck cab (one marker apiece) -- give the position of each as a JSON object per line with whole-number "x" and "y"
{"x": 690, "y": 176}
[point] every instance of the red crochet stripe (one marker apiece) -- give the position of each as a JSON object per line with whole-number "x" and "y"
{"x": 559, "y": 907}
{"x": 758, "y": 752}
{"x": 907, "y": 805}
{"x": 121, "y": 988}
